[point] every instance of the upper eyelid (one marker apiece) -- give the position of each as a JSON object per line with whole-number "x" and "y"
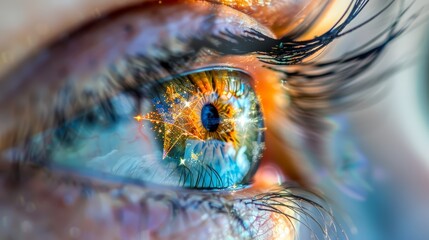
{"x": 25, "y": 38}
{"x": 220, "y": 22}
{"x": 241, "y": 31}
{"x": 254, "y": 41}
{"x": 8, "y": 92}
{"x": 26, "y": 42}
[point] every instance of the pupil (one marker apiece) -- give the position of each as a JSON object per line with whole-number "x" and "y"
{"x": 210, "y": 117}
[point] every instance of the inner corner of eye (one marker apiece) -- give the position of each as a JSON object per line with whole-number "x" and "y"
{"x": 202, "y": 129}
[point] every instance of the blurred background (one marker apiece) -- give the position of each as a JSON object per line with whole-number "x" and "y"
{"x": 382, "y": 149}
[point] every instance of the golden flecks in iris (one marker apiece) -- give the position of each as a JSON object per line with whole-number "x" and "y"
{"x": 138, "y": 118}
{"x": 195, "y": 156}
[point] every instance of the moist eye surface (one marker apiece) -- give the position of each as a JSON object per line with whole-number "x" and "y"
{"x": 202, "y": 129}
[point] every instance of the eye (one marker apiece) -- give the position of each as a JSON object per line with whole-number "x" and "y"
{"x": 202, "y": 129}
{"x": 156, "y": 108}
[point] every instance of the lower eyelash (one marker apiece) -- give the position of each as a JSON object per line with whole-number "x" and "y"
{"x": 306, "y": 210}
{"x": 309, "y": 210}
{"x": 254, "y": 216}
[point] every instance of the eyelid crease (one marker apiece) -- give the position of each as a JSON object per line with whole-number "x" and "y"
{"x": 199, "y": 70}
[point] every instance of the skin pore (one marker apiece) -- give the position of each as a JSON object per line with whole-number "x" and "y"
{"x": 61, "y": 205}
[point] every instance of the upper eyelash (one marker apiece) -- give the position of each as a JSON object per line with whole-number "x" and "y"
{"x": 288, "y": 50}
{"x": 333, "y": 78}
{"x": 226, "y": 43}
{"x": 309, "y": 106}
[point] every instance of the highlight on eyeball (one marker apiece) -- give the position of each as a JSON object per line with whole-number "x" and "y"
{"x": 268, "y": 119}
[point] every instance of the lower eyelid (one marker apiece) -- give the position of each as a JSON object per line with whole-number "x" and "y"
{"x": 88, "y": 216}
{"x": 46, "y": 203}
